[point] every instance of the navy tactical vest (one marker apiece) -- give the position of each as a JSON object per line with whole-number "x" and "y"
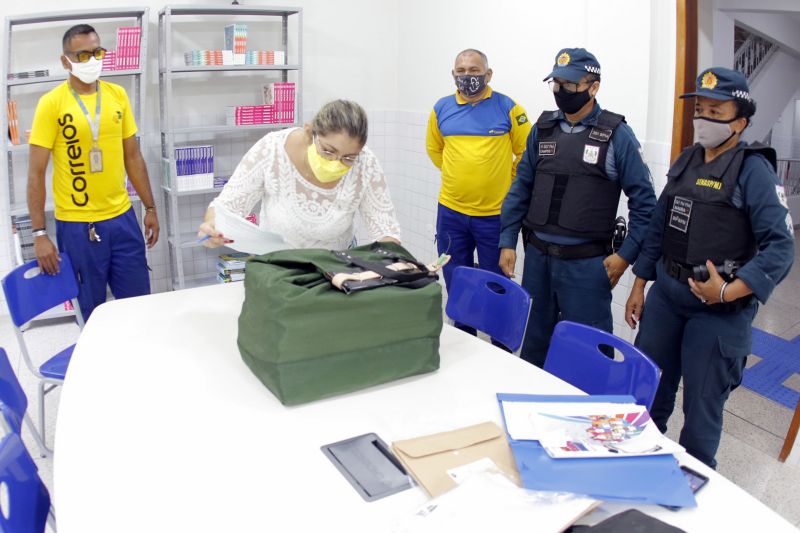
{"x": 572, "y": 194}
{"x": 702, "y": 222}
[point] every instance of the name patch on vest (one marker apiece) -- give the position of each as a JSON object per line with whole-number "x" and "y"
{"x": 591, "y": 154}
{"x": 680, "y": 214}
{"x": 547, "y": 148}
{"x": 705, "y": 182}
{"x": 601, "y": 135}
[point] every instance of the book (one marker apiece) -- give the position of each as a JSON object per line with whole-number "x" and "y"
{"x": 222, "y": 278}
{"x": 234, "y": 260}
{"x": 13, "y": 122}
{"x": 236, "y": 38}
{"x": 281, "y": 95}
{"x": 110, "y": 61}
{"x": 127, "y": 55}
{"x": 194, "y": 167}
{"x": 28, "y": 74}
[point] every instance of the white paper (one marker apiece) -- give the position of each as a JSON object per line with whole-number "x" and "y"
{"x": 461, "y": 473}
{"x": 490, "y": 502}
{"x": 520, "y": 416}
{"x": 581, "y": 430}
{"x": 246, "y": 236}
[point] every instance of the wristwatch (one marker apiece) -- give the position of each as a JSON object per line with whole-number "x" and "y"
{"x": 149, "y": 208}
{"x": 39, "y": 232}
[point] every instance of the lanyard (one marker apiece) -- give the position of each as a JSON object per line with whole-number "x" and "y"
{"x": 94, "y": 125}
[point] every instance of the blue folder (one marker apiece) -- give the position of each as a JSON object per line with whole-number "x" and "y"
{"x": 650, "y": 479}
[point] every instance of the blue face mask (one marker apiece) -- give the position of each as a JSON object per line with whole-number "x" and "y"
{"x": 470, "y": 84}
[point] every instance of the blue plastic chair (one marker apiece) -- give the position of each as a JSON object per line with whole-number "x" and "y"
{"x": 490, "y": 303}
{"x": 29, "y": 293}
{"x": 575, "y": 357}
{"x": 14, "y": 403}
{"x": 29, "y": 507}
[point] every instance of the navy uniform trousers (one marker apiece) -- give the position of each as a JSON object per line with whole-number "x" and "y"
{"x": 563, "y": 289}
{"x": 708, "y": 348}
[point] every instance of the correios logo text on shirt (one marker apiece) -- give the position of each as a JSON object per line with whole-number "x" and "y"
{"x": 76, "y": 167}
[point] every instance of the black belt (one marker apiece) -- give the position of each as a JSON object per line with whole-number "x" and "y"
{"x": 569, "y": 251}
{"x": 682, "y": 272}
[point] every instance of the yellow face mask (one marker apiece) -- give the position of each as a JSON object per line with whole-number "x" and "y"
{"x": 325, "y": 170}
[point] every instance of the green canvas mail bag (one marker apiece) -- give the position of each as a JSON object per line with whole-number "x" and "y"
{"x": 306, "y": 339}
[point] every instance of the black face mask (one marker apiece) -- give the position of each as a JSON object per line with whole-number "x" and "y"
{"x": 571, "y": 102}
{"x": 470, "y": 84}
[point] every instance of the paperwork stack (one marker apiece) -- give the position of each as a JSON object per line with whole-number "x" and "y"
{"x": 626, "y": 471}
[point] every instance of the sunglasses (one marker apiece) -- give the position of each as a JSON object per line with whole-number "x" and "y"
{"x": 85, "y": 55}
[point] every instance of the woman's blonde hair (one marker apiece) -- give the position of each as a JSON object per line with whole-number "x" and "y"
{"x": 341, "y": 116}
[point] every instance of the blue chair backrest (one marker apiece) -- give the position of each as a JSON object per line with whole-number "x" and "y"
{"x": 11, "y": 394}
{"x": 30, "y": 292}
{"x": 28, "y": 499}
{"x": 575, "y": 357}
{"x": 490, "y": 303}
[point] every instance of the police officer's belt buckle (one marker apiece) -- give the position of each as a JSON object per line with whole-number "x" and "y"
{"x": 554, "y": 250}
{"x": 674, "y": 269}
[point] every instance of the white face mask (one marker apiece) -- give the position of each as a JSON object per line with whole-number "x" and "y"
{"x": 712, "y": 133}
{"x": 87, "y": 72}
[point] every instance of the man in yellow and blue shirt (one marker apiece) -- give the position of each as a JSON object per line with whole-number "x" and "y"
{"x": 88, "y": 127}
{"x": 475, "y": 137}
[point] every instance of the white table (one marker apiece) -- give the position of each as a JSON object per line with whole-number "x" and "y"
{"x": 161, "y": 427}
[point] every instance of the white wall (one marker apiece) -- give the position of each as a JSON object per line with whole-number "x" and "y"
{"x": 395, "y": 58}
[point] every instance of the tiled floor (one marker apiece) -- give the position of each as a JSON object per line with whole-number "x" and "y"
{"x": 754, "y": 426}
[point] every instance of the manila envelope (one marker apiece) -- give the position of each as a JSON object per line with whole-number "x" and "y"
{"x": 429, "y": 458}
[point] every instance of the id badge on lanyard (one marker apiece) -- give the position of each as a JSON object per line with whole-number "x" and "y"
{"x": 95, "y": 154}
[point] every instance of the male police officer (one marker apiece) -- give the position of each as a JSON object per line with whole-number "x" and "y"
{"x": 578, "y": 160}
{"x": 723, "y": 206}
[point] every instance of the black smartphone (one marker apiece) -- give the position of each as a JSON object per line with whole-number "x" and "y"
{"x": 696, "y": 482}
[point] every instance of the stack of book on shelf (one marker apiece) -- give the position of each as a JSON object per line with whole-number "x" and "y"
{"x": 231, "y": 267}
{"x": 280, "y": 95}
{"x": 129, "y": 40}
{"x": 265, "y": 57}
{"x": 110, "y": 61}
{"x": 28, "y": 74}
{"x": 129, "y": 187}
{"x": 201, "y": 58}
{"x": 194, "y": 168}
{"x": 235, "y": 52}
{"x": 278, "y": 107}
{"x": 246, "y": 115}
{"x": 236, "y": 40}
{"x": 22, "y": 229}
{"x": 13, "y": 122}
{"x": 126, "y": 56}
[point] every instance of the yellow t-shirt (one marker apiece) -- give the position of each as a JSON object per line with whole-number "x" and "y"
{"x": 477, "y": 147}
{"x": 61, "y": 126}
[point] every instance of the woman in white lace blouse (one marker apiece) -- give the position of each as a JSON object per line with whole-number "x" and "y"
{"x": 311, "y": 181}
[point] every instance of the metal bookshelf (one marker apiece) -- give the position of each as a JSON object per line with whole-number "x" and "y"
{"x": 13, "y": 203}
{"x": 180, "y": 242}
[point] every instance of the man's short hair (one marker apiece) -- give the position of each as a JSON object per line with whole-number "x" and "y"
{"x": 78, "y": 29}
{"x": 476, "y": 52}
{"x": 591, "y": 78}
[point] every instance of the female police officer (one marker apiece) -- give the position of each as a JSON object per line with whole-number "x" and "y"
{"x": 719, "y": 241}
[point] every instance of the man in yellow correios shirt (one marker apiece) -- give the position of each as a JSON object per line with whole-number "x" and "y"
{"x": 475, "y": 136}
{"x": 88, "y": 127}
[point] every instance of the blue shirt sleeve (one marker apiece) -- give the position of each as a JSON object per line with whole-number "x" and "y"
{"x": 518, "y": 199}
{"x": 772, "y": 228}
{"x": 650, "y": 253}
{"x": 636, "y": 182}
